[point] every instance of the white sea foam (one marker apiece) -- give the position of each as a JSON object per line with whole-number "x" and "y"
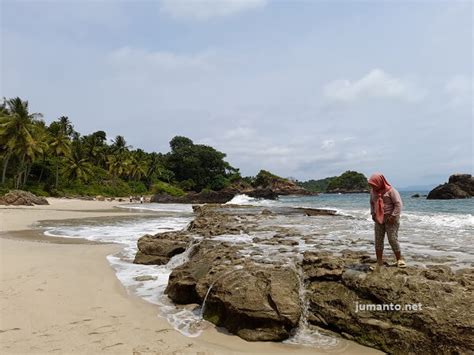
{"x": 159, "y": 207}
{"x": 247, "y": 200}
{"x": 152, "y": 289}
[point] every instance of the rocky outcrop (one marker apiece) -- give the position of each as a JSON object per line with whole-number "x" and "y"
{"x": 246, "y": 270}
{"x": 435, "y": 314}
{"x": 22, "y": 198}
{"x": 195, "y": 197}
{"x": 256, "y": 302}
{"x": 270, "y": 191}
{"x": 458, "y": 186}
{"x": 160, "y": 248}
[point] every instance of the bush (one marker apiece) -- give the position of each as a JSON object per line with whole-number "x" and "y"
{"x": 187, "y": 185}
{"x": 163, "y": 188}
{"x": 137, "y": 187}
{"x": 218, "y": 183}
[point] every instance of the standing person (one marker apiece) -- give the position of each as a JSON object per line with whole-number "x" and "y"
{"x": 385, "y": 207}
{"x": 131, "y": 199}
{"x": 141, "y": 199}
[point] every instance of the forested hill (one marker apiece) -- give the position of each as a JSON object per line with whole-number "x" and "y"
{"x": 350, "y": 181}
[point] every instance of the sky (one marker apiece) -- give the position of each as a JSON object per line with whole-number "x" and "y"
{"x": 305, "y": 89}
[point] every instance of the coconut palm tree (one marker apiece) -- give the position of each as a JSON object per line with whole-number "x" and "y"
{"x": 77, "y": 168}
{"x": 117, "y": 164}
{"x": 60, "y": 145}
{"x": 17, "y": 129}
{"x": 137, "y": 164}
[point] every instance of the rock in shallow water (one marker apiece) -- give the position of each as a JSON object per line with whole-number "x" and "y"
{"x": 259, "y": 298}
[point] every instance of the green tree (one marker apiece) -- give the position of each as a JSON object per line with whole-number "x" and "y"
{"x": 60, "y": 144}
{"x": 17, "y": 135}
{"x": 77, "y": 168}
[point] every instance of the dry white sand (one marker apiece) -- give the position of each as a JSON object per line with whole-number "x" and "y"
{"x": 61, "y": 296}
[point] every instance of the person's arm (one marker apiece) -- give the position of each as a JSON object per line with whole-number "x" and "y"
{"x": 372, "y": 207}
{"x": 397, "y": 203}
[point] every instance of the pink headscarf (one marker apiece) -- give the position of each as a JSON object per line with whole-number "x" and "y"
{"x": 380, "y": 186}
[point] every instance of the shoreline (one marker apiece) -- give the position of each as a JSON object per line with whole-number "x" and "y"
{"x": 62, "y": 295}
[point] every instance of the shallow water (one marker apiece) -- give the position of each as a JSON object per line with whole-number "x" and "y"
{"x": 431, "y": 231}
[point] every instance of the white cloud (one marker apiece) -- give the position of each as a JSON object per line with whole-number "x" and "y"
{"x": 376, "y": 84}
{"x": 202, "y": 10}
{"x": 328, "y": 144}
{"x": 459, "y": 88}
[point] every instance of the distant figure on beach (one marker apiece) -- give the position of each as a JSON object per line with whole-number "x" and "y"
{"x": 142, "y": 199}
{"x": 385, "y": 207}
{"x": 131, "y": 199}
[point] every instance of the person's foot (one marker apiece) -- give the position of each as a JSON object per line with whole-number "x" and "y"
{"x": 375, "y": 267}
{"x": 401, "y": 263}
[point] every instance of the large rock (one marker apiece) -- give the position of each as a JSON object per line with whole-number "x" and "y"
{"x": 442, "y": 322}
{"x": 25, "y": 198}
{"x": 458, "y": 186}
{"x": 258, "y": 303}
{"x": 195, "y": 197}
{"x": 160, "y": 248}
{"x": 240, "y": 273}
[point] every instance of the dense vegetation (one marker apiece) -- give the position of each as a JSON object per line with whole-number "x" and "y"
{"x": 56, "y": 160}
{"x": 348, "y": 181}
{"x": 316, "y": 185}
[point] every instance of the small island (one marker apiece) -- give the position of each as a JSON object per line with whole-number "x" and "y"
{"x": 348, "y": 182}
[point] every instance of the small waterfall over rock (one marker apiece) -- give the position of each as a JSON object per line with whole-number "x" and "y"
{"x": 203, "y": 306}
{"x": 306, "y": 334}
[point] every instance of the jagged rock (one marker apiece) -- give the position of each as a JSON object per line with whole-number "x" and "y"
{"x": 22, "y": 198}
{"x": 441, "y": 324}
{"x": 265, "y": 193}
{"x": 195, "y": 197}
{"x": 458, "y": 186}
{"x": 160, "y": 248}
{"x": 256, "y": 303}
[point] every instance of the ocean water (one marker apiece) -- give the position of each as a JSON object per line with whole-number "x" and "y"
{"x": 431, "y": 231}
{"x": 440, "y": 231}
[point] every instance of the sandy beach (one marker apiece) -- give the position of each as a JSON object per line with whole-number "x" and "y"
{"x": 62, "y": 296}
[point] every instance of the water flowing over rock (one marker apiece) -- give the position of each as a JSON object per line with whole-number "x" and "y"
{"x": 24, "y": 198}
{"x": 458, "y": 186}
{"x": 251, "y": 263}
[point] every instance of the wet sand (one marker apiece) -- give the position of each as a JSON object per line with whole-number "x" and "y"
{"x": 60, "y": 295}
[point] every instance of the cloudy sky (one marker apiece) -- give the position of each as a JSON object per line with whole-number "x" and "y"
{"x": 306, "y": 89}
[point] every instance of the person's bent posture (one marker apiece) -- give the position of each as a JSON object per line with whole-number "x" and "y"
{"x": 385, "y": 207}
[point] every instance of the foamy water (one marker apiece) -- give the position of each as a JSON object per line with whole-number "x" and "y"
{"x": 437, "y": 231}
